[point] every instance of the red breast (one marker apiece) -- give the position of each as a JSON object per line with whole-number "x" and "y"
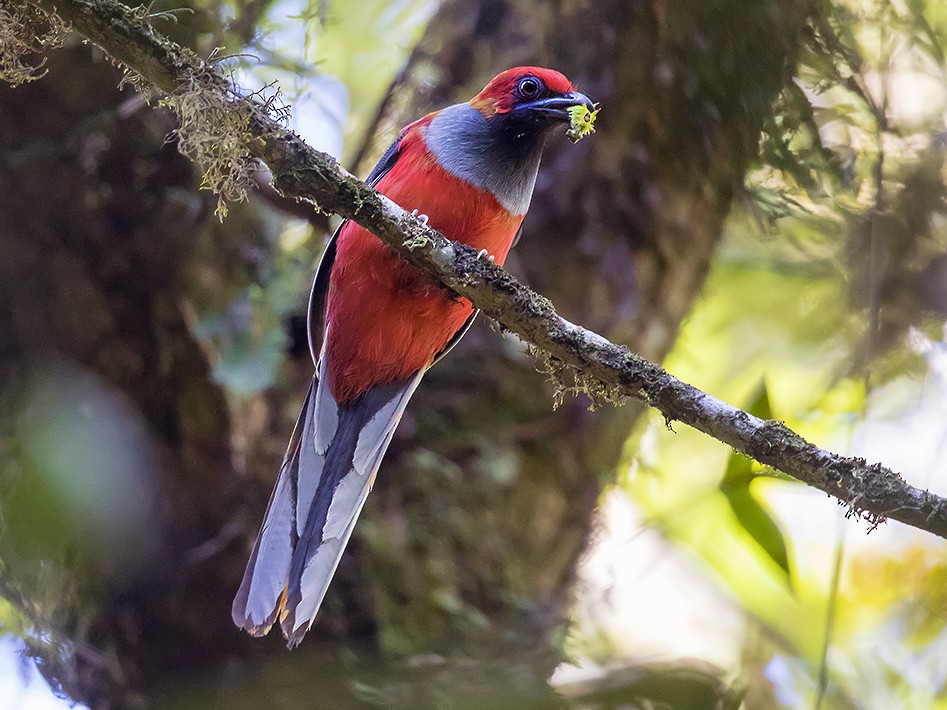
{"x": 386, "y": 318}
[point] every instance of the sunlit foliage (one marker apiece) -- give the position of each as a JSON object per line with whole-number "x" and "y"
{"x": 830, "y": 271}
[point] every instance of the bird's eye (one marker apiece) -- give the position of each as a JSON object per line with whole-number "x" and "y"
{"x": 529, "y": 87}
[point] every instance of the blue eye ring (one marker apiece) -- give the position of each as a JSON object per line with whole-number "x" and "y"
{"x": 529, "y": 87}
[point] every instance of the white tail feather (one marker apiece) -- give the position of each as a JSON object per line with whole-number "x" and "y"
{"x": 384, "y": 408}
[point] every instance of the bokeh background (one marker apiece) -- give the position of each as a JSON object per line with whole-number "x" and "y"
{"x": 762, "y": 208}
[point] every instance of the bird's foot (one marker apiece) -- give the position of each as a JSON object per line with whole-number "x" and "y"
{"x": 483, "y": 253}
{"x": 423, "y": 217}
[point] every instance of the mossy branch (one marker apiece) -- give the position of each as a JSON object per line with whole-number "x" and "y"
{"x": 609, "y": 371}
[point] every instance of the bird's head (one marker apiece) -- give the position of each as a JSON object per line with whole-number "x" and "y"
{"x": 495, "y": 141}
{"x": 530, "y": 97}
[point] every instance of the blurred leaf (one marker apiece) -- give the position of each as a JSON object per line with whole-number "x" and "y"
{"x": 82, "y": 476}
{"x": 12, "y": 620}
{"x": 735, "y": 485}
{"x": 924, "y": 35}
{"x": 684, "y": 686}
{"x": 760, "y": 526}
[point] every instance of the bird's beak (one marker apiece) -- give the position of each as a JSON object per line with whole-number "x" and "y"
{"x": 557, "y": 107}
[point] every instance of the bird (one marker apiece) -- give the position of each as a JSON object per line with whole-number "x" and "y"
{"x": 376, "y": 324}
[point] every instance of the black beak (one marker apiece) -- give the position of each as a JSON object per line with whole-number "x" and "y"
{"x": 557, "y": 107}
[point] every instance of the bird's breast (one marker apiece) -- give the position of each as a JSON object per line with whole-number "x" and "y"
{"x": 386, "y": 319}
{"x": 481, "y": 152}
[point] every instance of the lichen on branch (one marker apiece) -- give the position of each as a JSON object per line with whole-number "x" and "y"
{"x": 25, "y": 32}
{"x": 214, "y": 130}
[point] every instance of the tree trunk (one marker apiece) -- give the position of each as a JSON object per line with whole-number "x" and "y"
{"x": 106, "y": 246}
{"x": 486, "y": 501}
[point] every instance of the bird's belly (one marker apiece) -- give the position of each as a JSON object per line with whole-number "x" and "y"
{"x": 386, "y": 328}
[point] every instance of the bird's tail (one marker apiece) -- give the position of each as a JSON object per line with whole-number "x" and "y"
{"x": 328, "y": 470}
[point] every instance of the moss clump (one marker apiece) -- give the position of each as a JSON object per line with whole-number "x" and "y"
{"x": 26, "y": 30}
{"x": 215, "y": 131}
{"x": 567, "y": 379}
{"x": 418, "y": 239}
{"x": 581, "y": 121}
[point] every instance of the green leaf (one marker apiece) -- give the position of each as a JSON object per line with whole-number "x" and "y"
{"x": 760, "y": 526}
{"x": 759, "y": 405}
{"x": 751, "y": 515}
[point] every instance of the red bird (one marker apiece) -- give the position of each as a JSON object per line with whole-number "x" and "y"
{"x": 377, "y": 323}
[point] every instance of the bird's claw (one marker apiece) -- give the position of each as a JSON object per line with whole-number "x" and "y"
{"x": 483, "y": 253}
{"x": 423, "y": 217}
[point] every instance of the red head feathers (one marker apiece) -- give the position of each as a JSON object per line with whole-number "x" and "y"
{"x": 517, "y": 85}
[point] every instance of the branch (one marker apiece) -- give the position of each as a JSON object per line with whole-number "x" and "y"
{"x": 605, "y": 370}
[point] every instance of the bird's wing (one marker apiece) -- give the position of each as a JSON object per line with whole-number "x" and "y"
{"x": 461, "y": 332}
{"x": 317, "y": 298}
{"x": 388, "y": 160}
